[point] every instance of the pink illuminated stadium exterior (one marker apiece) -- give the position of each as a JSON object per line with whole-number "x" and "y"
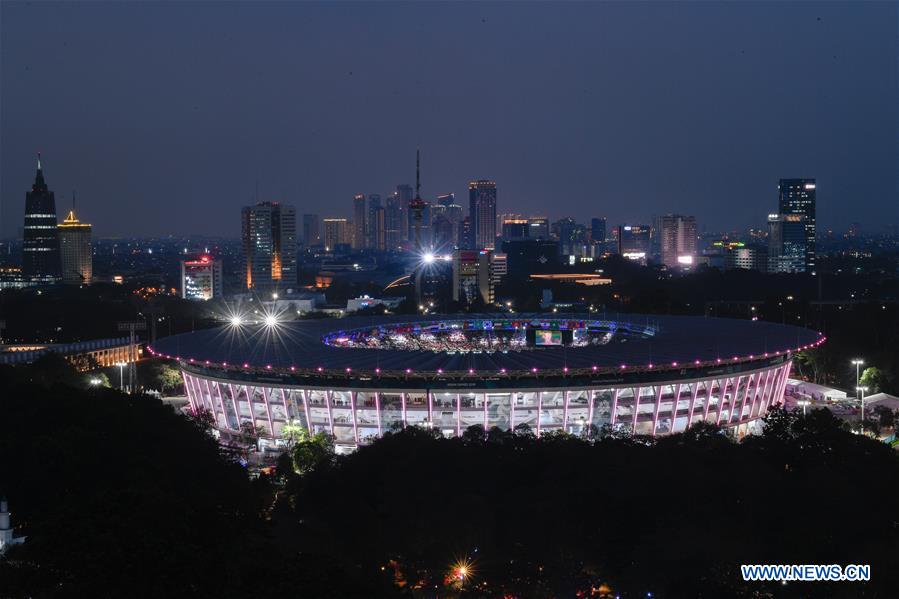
{"x": 358, "y": 404}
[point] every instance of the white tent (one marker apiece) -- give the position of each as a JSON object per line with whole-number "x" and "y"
{"x": 881, "y": 399}
{"x": 814, "y": 391}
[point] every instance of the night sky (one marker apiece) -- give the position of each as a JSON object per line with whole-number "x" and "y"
{"x": 163, "y": 116}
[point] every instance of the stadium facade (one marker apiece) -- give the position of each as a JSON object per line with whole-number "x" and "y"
{"x": 356, "y": 378}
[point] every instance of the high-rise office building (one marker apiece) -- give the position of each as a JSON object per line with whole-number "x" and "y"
{"x": 201, "y": 278}
{"x": 740, "y": 257}
{"x": 40, "y": 249}
{"x": 375, "y": 235}
{"x": 472, "y": 276}
{"x": 269, "y": 233}
{"x": 538, "y": 227}
{"x": 798, "y": 196}
{"x": 443, "y": 233}
{"x": 677, "y": 240}
{"x": 446, "y": 199}
{"x": 359, "y": 222}
{"x": 787, "y": 239}
{"x": 404, "y": 195}
{"x": 515, "y": 229}
{"x": 482, "y": 210}
{"x": 571, "y": 235}
{"x": 633, "y": 241}
{"x": 336, "y": 233}
{"x": 312, "y": 234}
{"x": 466, "y": 236}
{"x": 393, "y": 229}
{"x": 75, "y": 252}
{"x": 598, "y": 230}
{"x": 377, "y": 227}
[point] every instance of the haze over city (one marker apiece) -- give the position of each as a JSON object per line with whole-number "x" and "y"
{"x": 163, "y": 117}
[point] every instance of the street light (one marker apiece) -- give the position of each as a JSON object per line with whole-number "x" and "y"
{"x": 121, "y": 366}
{"x": 804, "y": 403}
{"x": 858, "y": 362}
{"x": 862, "y": 391}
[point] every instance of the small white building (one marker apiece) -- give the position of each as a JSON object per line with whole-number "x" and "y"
{"x": 6, "y": 532}
{"x": 814, "y": 391}
{"x": 886, "y": 400}
{"x": 360, "y": 303}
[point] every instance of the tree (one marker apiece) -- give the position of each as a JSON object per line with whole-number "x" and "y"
{"x": 523, "y": 430}
{"x": 780, "y": 423}
{"x": 96, "y": 379}
{"x": 810, "y": 363}
{"x": 293, "y": 433}
{"x": 202, "y": 418}
{"x": 474, "y": 434}
{"x": 312, "y": 452}
{"x": 250, "y": 433}
{"x": 165, "y": 376}
{"x": 874, "y": 379}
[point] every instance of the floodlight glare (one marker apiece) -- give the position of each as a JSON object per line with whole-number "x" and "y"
{"x": 236, "y": 321}
{"x": 428, "y": 258}
{"x": 271, "y": 320}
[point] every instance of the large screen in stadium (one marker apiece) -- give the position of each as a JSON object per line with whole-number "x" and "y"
{"x": 548, "y": 338}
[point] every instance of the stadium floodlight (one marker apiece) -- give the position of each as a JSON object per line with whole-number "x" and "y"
{"x": 427, "y": 258}
{"x": 857, "y": 363}
{"x": 271, "y": 320}
{"x": 236, "y": 320}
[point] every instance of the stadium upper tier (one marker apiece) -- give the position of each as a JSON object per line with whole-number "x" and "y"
{"x": 484, "y": 344}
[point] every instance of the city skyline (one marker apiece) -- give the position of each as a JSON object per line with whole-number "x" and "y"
{"x": 134, "y": 154}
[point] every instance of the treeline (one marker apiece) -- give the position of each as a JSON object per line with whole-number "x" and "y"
{"x": 558, "y": 516}
{"x": 120, "y": 496}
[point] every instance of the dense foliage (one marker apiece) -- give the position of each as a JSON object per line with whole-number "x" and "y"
{"x": 121, "y": 496}
{"x": 673, "y": 517}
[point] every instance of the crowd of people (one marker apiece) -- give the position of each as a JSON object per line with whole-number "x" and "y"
{"x": 457, "y": 340}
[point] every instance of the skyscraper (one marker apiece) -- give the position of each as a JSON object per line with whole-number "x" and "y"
{"x": 472, "y": 276}
{"x": 515, "y": 229}
{"x": 75, "y": 252}
{"x": 787, "y": 239}
{"x": 377, "y": 229}
{"x": 798, "y": 196}
{"x": 335, "y": 233}
{"x": 571, "y": 235}
{"x": 312, "y": 234}
{"x": 201, "y": 279}
{"x": 393, "y": 229}
{"x": 375, "y": 222}
{"x": 678, "y": 240}
{"x": 597, "y": 230}
{"x": 269, "y": 233}
{"x": 40, "y": 249}
{"x": 482, "y": 210}
{"x": 538, "y": 227}
{"x": 446, "y": 199}
{"x": 633, "y": 241}
{"x": 359, "y": 220}
{"x": 404, "y": 195}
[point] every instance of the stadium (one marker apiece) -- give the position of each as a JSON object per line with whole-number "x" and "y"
{"x": 359, "y": 377}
